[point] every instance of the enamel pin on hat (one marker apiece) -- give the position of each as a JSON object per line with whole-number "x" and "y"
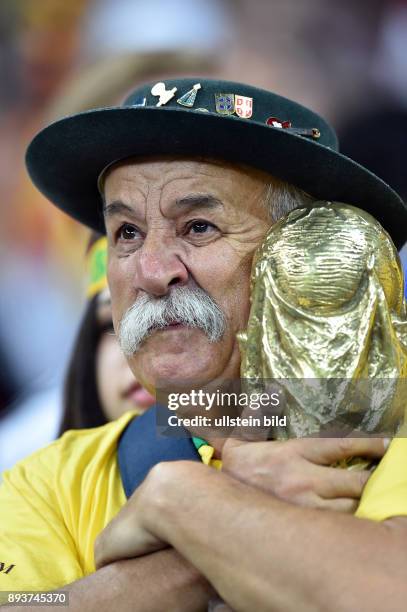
{"x": 243, "y": 106}
{"x": 165, "y": 95}
{"x": 286, "y": 125}
{"x": 222, "y": 120}
{"x": 225, "y": 103}
{"x": 188, "y": 99}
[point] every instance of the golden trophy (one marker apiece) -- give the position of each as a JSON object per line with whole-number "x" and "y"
{"x": 328, "y": 323}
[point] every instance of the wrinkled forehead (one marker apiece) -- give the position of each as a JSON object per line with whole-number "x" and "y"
{"x": 175, "y": 177}
{"x": 152, "y": 167}
{"x": 165, "y": 161}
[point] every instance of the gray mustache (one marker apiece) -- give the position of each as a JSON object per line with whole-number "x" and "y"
{"x": 191, "y": 306}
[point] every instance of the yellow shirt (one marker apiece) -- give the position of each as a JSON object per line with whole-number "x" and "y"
{"x": 54, "y": 504}
{"x": 385, "y": 494}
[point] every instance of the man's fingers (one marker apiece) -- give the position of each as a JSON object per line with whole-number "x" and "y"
{"x": 110, "y": 545}
{"x": 325, "y": 451}
{"x": 333, "y": 483}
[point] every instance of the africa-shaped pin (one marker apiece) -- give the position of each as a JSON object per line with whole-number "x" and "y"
{"x": 188, "y": 99}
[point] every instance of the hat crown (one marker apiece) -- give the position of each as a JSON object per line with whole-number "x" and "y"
{"x": 265, "y": 104}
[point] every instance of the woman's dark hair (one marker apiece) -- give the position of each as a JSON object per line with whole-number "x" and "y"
{"x": 81, "y": 405}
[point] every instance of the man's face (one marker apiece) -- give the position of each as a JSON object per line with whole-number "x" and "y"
{"x": 173, "y": 223}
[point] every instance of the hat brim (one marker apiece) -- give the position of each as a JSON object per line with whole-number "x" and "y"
{"x": 66, "y": 158}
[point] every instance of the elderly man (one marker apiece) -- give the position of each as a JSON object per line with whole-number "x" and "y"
{"x": 191, "y": 179}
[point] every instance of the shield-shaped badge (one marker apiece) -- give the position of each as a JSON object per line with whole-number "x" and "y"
{"x": 243, "y": 106}
{"x": 225, "y": 103}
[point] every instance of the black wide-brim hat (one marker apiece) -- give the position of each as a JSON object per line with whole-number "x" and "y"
{"x": 214, "y": 119}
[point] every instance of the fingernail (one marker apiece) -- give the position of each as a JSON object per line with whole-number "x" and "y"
{"x": 386, "y": 442}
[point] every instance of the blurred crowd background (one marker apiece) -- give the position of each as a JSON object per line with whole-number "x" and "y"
{"x": 344, "y": 59}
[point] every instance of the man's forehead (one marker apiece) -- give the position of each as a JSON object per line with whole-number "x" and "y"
{"x": 162, "y": 169}
{"x": 181, "y": 185}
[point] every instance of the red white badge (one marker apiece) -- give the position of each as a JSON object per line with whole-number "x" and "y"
{"x": 243, "y": 106}
{"x": 274, "y": 122}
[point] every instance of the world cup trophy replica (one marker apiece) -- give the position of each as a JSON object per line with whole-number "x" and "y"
{"x": 328, "y": 324}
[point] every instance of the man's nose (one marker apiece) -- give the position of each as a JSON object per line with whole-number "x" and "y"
{"x": 159, "y": 266}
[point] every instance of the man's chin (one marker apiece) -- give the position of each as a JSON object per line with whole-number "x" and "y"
{"x": 174, "y": 358}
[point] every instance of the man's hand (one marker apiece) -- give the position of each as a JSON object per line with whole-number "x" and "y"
{"x": 127, "y": 536}
{"x": 297, "y": 471}
{"x": 241, "y": 540}
{"x": 136, "y": 528}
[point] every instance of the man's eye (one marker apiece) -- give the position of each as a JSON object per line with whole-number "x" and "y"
{"x": 200, "y": 227}
{"x": 128, "y": 232}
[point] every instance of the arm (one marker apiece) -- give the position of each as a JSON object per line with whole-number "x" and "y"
{"x": 290, "y": 470}
{"x": 145, "y": 584}
{"x": 295, "y": 471}
{"x": 41, "y": 551}
{"x": 294, "y": 558}
{"x": 262, "y": 553}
